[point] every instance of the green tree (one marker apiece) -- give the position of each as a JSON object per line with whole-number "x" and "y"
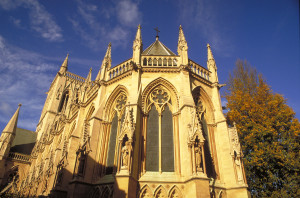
{"x": 268, "y": 132}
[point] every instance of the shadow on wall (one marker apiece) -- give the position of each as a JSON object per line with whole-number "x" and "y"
{"x": 74, "y": 184}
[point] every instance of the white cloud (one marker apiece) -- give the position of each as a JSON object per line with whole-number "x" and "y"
{"x": 203, "y": 14}
{"x": 93, "y": 23}
{"x": 16, "y": 22}
{"x": 128, "y": 13}
{"x": 10, "y": 4}
{"x": 25, "y": 76}
{"x": 41, "y": 21}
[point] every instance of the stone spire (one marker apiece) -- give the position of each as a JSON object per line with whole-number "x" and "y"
{"x": 8, "y": 134}
{"x": 64, "y": 66}
{"x": 88, "y": 78}
{"x": 106, "y": 64}
{"x": 209, "y": 53}
{"x": 182, "y": 47}
{"x": 211, "y": 65}
{"x": 137, "y": 47}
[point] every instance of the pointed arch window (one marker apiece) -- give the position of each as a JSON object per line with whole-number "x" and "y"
{"x": 115, "y": 127}
{"x": 63, "y": 102}
{"x": 159, "y": 135}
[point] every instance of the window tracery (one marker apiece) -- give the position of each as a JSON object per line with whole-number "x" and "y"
{"x": 159, "y": 135}
{"x": 117, "y": 116}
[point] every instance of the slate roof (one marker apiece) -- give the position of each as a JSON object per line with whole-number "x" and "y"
{"x": 158, "y": 48}
{"x": 24, "y": 141}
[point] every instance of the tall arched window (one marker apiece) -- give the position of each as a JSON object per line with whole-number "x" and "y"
{"x": 63, "y": 102}
{"x": 159, "y": 143}
{"x": 117, "y": 118}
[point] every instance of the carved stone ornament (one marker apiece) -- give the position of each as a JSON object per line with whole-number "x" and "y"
{"x": 195, "y": 128}
{"x": 128, "y": 125}
{"x": 85, "y": 140}
{"x": 236, "y": 152}
{"x": 58, "y": 93}
{"x": 234, "y": 141}
{"x": 196, "y": 143}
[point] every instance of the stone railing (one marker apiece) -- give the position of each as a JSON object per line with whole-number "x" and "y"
{"x": 19, "y": 157}
{"x": 199, "y": 70}
{"x": 119, "y": 69}
{"x": 75, "y": 77}
{"x": 159, "y": 61}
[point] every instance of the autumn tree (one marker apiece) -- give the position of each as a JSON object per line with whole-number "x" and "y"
{"x": 268, "y": 132}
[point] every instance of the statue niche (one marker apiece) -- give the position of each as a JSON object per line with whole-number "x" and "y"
{"x": 236, "y": 153}
{"x": 126, "y": 151}
{"x": 196, "y": 144}
{"x": 126, "y": 142}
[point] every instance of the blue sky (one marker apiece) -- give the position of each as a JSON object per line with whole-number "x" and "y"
{"x": 35, "y": 37}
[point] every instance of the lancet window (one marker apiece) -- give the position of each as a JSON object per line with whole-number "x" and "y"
{"x": 63, "y": 102}
{"x": 159, "y": 132}
{"x": 117, "y": 117}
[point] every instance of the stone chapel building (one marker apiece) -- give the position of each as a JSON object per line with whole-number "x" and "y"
{"x": 151, "y": 126}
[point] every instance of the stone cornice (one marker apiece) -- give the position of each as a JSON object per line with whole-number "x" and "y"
{"x": 161, "y": 69}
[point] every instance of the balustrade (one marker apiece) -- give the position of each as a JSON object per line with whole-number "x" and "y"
{"x": 75, "y": 77}
{"x": 199, "y": 70}
{"x": 160, "y": 61}
{"x": 119, "y": 69}
{"x": 19, "y": 156}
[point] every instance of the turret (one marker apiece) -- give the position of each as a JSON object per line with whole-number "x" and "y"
{"x": 8, "y": 134}
{"x": 211, "y": 65}
{"x": 182, "y": 48}
{"x": 137, "y": 47}
{"x": 64, "y": 66}
{"x": 106, "y": 64}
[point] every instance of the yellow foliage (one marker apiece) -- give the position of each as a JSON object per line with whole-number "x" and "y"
{"x": 269, "y": 134}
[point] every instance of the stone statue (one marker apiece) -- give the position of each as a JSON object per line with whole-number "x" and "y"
{"x": 125, "y": 154}
{"x": 238, "y": 168}
{"x": 198, "y": 158}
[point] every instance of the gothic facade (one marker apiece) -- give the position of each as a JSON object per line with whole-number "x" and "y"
{"x": 151, "y": 126}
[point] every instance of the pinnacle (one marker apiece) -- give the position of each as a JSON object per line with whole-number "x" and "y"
{"x": 209, "y": 53}
{"x": 138, "y": 35}
{"x": 64, "y": 66}
{"x": 108, "y": 51}
{"x": 181, "y": 34}
{"x": 89, "y": 76}
{"x": 65, "y": 63}
{"x": 12, "y": 124}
